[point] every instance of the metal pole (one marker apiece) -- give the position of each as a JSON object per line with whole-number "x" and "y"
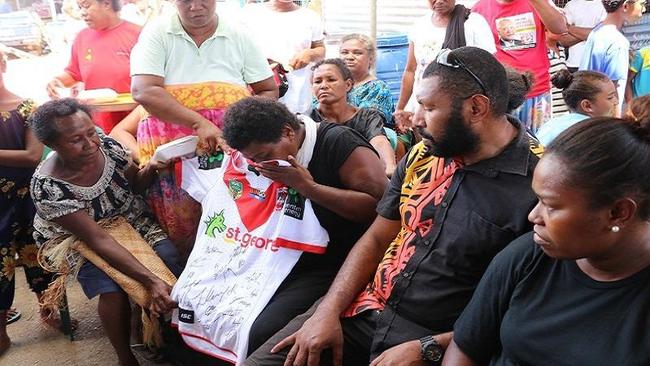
{"x": 53, "y": 10}
{"x": 373, "y": 20}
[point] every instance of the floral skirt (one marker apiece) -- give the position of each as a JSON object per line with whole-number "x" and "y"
{"x": 17, "y": 246}
{"x": 177, "y": 213}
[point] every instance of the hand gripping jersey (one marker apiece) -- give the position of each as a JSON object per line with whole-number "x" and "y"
{"x": 252, "y": 233}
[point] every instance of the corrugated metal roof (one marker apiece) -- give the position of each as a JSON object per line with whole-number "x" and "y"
{"x": 638, "y": 33}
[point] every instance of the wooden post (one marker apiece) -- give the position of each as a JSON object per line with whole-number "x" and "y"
{"x": 373, "y": 20}
{"x": 53, "y": 13}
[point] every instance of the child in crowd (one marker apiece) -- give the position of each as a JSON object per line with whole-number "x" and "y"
{"x": 587, "y": 94}
{"x": 639, "y": 109}
{"x": 638, "y": 78}
{"x": 607, "y": 49}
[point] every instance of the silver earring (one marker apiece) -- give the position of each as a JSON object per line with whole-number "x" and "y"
{"x": 615, "y": 229}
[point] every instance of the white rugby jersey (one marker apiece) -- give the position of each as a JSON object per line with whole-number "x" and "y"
{"x": 252, "y": 233}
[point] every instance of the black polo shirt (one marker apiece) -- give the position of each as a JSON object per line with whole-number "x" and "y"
{"x": 455, "y": 219}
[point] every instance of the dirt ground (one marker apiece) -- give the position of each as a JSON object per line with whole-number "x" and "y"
{"x": 32, "y": 343}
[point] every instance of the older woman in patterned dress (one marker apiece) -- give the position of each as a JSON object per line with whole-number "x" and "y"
{"x": 90, "y": 177}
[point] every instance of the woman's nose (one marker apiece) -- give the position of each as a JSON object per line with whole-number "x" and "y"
{"x": 534, "y": 215}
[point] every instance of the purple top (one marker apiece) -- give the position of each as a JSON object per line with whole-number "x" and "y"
{"x": 12, "y": 137}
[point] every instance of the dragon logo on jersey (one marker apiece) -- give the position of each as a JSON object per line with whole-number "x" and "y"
{"x": 215, "y": 223}
{"x": 235, "y": 188}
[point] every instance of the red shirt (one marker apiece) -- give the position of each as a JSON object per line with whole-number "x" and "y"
{"x": 520, "y": 38}
{"x": 101, "y": 59}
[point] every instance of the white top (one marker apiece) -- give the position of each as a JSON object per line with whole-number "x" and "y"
{"x": 251, "y": 234}
{"x": 130, "y": 13}
{"x": 586, "y": 14}
{"x": 282, "y": 35}
{"x": 427, "y": 43}
{"x": 229, "y": 55}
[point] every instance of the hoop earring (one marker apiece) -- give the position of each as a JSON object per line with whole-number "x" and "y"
{"x": 615, "y": 229}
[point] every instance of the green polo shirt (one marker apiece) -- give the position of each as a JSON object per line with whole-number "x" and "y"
{"x": 165, "y": 49}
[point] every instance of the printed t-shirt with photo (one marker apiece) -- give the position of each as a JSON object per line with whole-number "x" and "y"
{"x": 519, "y": 35}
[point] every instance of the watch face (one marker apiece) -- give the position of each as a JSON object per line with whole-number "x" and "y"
{"x": 433, "y": 353}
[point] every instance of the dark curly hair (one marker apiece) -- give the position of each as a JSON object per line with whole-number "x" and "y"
{"x": 42, "y": 121}
{"x": 343, "y": 68}
{"x": 256, "y": 119}
{"x": 519, "y": 84}
{"x": 460, "y": 84}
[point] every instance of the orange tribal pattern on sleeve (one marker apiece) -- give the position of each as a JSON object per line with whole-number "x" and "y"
{"x": 426, "y": 181}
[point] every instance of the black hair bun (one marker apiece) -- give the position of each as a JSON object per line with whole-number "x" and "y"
{"x": 562, "y": 79}
{"x": 519, "y": 85}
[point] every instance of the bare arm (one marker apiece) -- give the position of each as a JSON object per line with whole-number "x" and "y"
{"x": 363, "y": 176}
{"x": 149, "y": 91}
{"x": 408, "y": 353}
{"x": 550, "y": 15}
{"x": 566, "y": 40}
{"x": 125, "y": 132}
{"x": 454, "y": 356}
{"x": 323, "y": 329}
{"x": 629, "y": 94}
{"x": 318, "y": 50}
{"x": 97, "y": 239}
{"x": 359, "y": 266}
{"x": 27, "y": 158}
{"x": 386, "y": 153}
{"x": 141, "y": 179}
{"x": 408, "y": 79}
{"x": 266, "y": 88}
{"x": 581, "y": 33}
{"x": 63, "y": 80}
{"x": 574, "y": 36}
{"x": 314, "y": 53}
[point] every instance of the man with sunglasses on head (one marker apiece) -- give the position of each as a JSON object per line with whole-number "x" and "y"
{"x": 455, "y": 200}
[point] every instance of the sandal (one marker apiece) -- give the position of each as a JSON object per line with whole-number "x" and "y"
{"x": 12, "y": 316}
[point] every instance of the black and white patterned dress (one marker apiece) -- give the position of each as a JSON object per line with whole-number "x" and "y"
{"x": 110, "y": 196}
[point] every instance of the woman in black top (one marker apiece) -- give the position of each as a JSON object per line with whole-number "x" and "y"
{"x": 576, "y": 290}
{"x": 331, "y": 82}
{"x": 344, "y": 181}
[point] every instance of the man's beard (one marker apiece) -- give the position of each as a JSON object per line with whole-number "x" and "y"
{"x": 457, "y": 140}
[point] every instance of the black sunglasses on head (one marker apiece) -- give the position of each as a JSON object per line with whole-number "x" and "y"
{"x": 443, "y": 59}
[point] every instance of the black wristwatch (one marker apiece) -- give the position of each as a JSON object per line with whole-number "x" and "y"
{"x": 431, "y": 350}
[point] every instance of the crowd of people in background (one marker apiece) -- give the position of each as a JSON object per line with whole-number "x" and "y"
{"x": 472, "y": 219}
